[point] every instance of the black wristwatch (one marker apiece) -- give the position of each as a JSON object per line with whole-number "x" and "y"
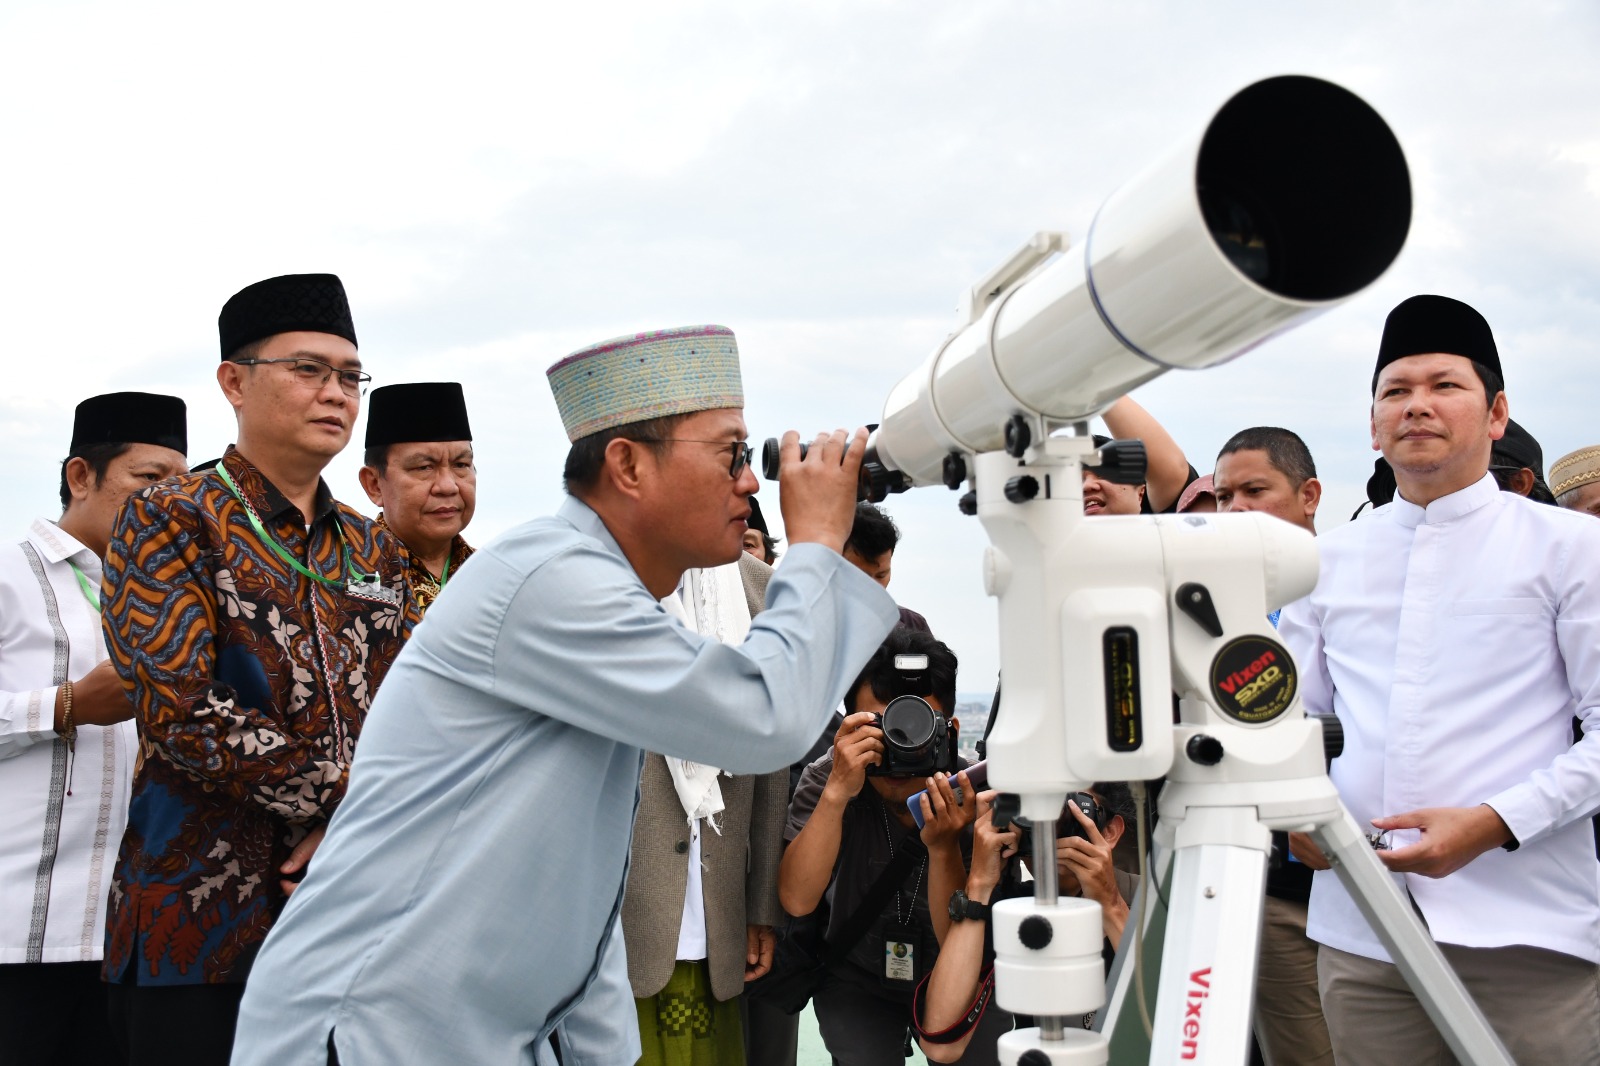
{"x": 962, "y": 908}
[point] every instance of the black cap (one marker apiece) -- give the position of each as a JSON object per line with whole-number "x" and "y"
{"x": 314, "y": 303}
{"x": 756, "y": 520}
{"x": 130, "y": 418}
{"x": 1426, "y": 324}
{"x": 1518, "y": 449}
{"x": 416, "y": 412}
{"x": 1381, "y": 485}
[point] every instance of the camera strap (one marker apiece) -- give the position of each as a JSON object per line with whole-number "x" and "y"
{"x": 854, "y": 927}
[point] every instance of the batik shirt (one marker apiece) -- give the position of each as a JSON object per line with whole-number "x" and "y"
{"x": 250, "y": 682}
{"x": 425, "y": 588}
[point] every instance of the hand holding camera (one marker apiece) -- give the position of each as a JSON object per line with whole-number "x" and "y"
{"x": 857, "y": 747}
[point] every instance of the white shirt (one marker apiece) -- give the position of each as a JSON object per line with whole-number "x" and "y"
{"x": 1456, "y": 644}
{"x": 56, "y": 851}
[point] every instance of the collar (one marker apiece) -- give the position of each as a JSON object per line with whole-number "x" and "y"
{"x": 1458, "y": 504}
{"x": 460, "y": 550}
{"x": 270, "y": 504}
{"x": 583, "y": 518}
{"x": 57, "y": 545}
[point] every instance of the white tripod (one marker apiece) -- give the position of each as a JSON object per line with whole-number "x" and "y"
{"x": 1100, "y": 620}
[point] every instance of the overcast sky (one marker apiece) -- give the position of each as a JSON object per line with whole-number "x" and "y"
{"x": 498, "y": 184}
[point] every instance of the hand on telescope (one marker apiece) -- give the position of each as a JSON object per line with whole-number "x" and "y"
{"x": 943, "y": 818}
{"x": 990, "y": 849}
{"x": 818, "y": 493}
{"x": 857, "y": 745}
{"x": 1089, "y": 860}
{"x": 1302, "y": 847}
{"x": 1451, "y": 838}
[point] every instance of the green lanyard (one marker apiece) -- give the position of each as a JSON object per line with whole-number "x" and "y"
{"x": 444, "y": 575}
{"x": 90, "y": 593}
{"x": 272, "y": 542}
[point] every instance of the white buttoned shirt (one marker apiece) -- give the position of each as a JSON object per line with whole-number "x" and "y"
{"x": 56, "y": 850}
{"x": 1456, "y": 643}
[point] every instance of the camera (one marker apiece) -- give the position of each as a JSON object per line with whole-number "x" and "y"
{"x": 918, "y": 741}
{"x": 1006, "y": 815}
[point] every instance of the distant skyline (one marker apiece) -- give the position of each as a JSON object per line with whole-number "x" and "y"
{"x": 499, "y": 184}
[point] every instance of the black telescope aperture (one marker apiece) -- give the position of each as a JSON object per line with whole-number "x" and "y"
{"x": 1304, "y": 188}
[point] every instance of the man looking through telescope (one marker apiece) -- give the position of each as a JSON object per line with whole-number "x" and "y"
{"x": 466, "y": 903}
{"x": 1463, "y": 760}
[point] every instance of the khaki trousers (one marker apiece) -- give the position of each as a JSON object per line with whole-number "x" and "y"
{"x": 1288, "y": 1020}
{"x": 1544, "y": 1005}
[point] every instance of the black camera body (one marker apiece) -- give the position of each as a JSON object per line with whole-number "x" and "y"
{"x": 918, "y": 741}
{"x": 1006, "y": 816}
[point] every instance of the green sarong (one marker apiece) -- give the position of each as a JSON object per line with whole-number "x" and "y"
{"x": 684, "y": 1025}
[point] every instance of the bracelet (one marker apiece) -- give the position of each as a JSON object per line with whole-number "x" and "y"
{"x": 69, "y": 731}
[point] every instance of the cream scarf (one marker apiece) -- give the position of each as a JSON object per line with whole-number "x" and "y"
{"x": 711, "y": 603}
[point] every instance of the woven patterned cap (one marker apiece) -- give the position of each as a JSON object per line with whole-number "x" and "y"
{"x": 1575, "y": 469}
{"x": 313, "y": 303}
{"x": 647, "y": 375}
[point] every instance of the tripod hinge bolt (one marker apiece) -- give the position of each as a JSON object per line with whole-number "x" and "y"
{"x": 1035, "y": 932}
{"x": 1207, "y": 751}
{"x": 1022, "y": 488}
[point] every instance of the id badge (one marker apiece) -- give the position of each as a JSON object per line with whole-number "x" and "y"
{"x": 368, "y": 587}
{"x": 900, "y": 955}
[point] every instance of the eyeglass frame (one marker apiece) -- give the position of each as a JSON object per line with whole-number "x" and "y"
{"x": 362, "y": 379}
{"x": 742, "y": 452}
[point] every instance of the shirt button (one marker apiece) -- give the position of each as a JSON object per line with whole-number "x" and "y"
{"x": 681, "y": 846}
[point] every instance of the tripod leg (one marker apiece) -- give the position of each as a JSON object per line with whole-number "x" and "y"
{"x": 1146, "y": 929}
{"x": 1213, "y": 933}
{"x": 1436, "y": 985}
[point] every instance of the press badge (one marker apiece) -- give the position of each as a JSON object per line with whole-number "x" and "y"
{"x": 899, "y": 960}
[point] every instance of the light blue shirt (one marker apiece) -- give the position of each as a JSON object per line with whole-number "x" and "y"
{"x": 466, "y": 897}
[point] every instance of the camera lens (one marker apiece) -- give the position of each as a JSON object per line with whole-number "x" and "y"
{"x": 908, "y": 724}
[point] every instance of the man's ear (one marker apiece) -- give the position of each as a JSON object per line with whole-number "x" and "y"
{"x": 1310, "y": 496}
{"x": 1114, "y": 829}
{"x": 372, "y": 485}
{"x": 1372, "y": 427}
{"x": 1522, "y": 482}
{"x": 627, "y": 465}
{"x": 80, "y": 478}
{"x": 230, "y": 377}
{"x": 1499, "y": 414}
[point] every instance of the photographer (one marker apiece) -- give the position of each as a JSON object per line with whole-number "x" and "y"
{"x": 848, "y": 823}
{"x": 953, "y": 1008}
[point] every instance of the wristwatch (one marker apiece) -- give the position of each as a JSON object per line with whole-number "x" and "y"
{"x": 962, "y": 908}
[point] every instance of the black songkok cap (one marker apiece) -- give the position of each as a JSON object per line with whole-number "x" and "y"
{"x": 417, "y": 412}
{"x": 130, "y": 418}
{"x": 313, "y": 303}
{"x": 756, "y": 519}
{"x": 1518, "y": 449}
{"x": 1426, "y": 324}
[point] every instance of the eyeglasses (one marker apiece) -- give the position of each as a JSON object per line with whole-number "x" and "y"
{"x": 314, "y": 373}
{"x": 741, "y": 449}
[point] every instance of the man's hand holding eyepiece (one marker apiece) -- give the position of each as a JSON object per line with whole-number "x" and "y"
{"x": 818, "y": 492}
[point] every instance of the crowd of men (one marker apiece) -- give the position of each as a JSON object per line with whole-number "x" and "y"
{"x": 260, "y": 811}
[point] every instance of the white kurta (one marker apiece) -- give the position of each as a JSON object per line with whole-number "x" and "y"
{"x": 1456, "y": 644}
{"x": 56, "y": 851}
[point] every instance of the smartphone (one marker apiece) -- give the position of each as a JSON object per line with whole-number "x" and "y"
{"x": 977, "y": 776}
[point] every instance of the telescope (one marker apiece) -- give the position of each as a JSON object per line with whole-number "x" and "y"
{"x": 1293, "y": 198}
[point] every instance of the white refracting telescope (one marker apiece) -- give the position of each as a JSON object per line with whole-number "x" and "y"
{"x": 1294, "y": 197}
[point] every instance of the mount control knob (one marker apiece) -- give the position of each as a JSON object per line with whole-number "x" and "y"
{"x": 955, "y": 470}
{"x": 1022, "y": 488}
{"x": 1207, "y": 751}
{"x": 1019, "y": 436}
{"x": 968, "y": 504}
